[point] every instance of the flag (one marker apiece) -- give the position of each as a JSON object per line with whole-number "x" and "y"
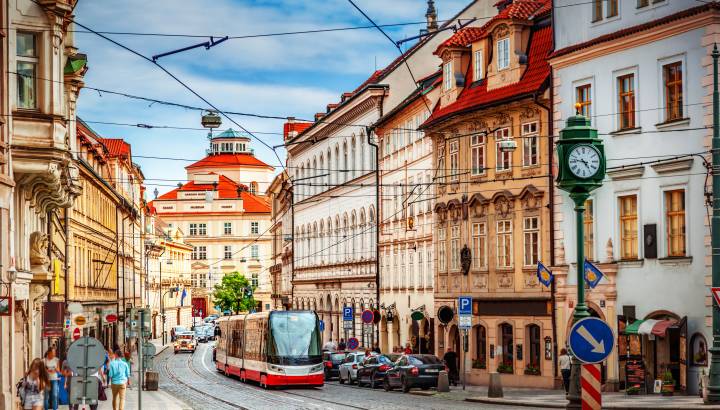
{"x": 56, "y": 272}
{"x": 592, "y": 274}
{"x": 182, "y": 297}
{"x": 544, "y": 275}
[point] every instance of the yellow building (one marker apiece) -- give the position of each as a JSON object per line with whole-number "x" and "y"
{"x": 492, "y": 213}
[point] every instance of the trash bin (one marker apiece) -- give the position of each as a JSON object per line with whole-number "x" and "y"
{"x": 151, "y": 380}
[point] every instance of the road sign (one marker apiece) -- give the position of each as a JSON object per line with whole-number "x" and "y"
{"x": 74, "y": 307}
{"x": 347, "y": 325}
{"x": 716, "y": 295}
{"x": 591, "y": 340}
{"x": 353, "y": 343}
{"x": 465, "y": 305}
{"x": 84, "y": 390}
{"x": 80, "y": 320}
{"x": 348, "y": 313}
{"x": 591, "y": 387}
{"x": 111, "y": 317}
{"x": 68, "y": 322}
{"x": 367, "y": 316}
{"x": 85, "y": 356}
{"x": 367, "y": 328}
{"x": 148, "y": 349}
{"x": 76, "y": 334}
{"x": 465, "y": 322}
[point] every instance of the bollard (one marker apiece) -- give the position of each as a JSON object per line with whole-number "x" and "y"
{"x": 495, "y": 389}
{"x": 443, "y": 384}
{"x": 151, "y": 381}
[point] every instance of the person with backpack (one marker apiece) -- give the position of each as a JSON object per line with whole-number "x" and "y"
{"x": 31, "y": 388}
{"x": 119, "y": 375}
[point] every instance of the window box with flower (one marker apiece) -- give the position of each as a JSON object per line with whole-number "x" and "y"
{"x": 532, "y": 370}
{"x": 505, "y": 368}
{"x": 479, "y": 364}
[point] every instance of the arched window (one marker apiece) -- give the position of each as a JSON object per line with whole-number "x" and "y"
{"x": 338, "y": 171}
{"x": 480, "y": 357}
{"x": 506, "y": 343}
{"x": 253, "y": 187}
{"x": 321, "y": 171}
{"x": 698, "y": 350}
{"x": 534, "y": 355}
{"x": 353, "y": 159}
{"x": 312, "y": 183}
{"x": 345, "y": 168}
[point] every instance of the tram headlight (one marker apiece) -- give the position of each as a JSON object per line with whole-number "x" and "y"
{"x": 317, "y": 368}
{"x": 277, "y": 368}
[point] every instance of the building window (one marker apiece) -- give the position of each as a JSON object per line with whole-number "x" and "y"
{"x": 199, "y": 253}
{"x": 583, "y": 98}
{"x": 421, "y": 267}
{"x": 441, "y": 165}
{"x": 477, "y": 148}
{"x": 455, "y": 247}
{"x": 589, "y": 230}
{"x": 254, "y": 186}
{"x": 447, "y": 75}
{"x": 531, "y": 228}
{"x": 626, "y": 101}
{"x": 442, "y": 237}
{"x": 254, "y": 280}
{"x": 479, "y": 242}
{"x": 227, "y": 228}
{"x": 597, "y": 6}
{"x": 628, "y": 227}
{"x": 454, "y": 161}
{"x": 411, "y": 268}
{"x": 254, "y": 251}
{"x": 642, "y": 3}
{"x": 534, "y": 346}
{"x": 478, "y": 65}
{"x": 193, "y": 229}
{"x": 227, "y": 252}
{"x": 675, "y": 221}
{"x": 480, "y": 359}
{"x": 504, "y": 159}
{"x": 27, "y": 67}
{"x": 202, "y": 229}
{"x": 612, "y": 8}
{"x": 506, "y": 342}
{"x": 530, "y": 144}
{"x": 503, "y": 50}
{"x": 672, "y": 76}
{"x": 504, "y": 244}
{"x": 254, "y": 228}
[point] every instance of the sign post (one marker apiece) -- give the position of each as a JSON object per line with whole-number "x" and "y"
{"x": 464, "y": 323}
{"x": 348, "y": 314}
{"x": 84, "y": 357}
{"x": 591, "y": 340}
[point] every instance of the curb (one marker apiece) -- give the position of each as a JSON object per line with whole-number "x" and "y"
{"x": 423, "y": 393}
{"x": 519, "y": 403}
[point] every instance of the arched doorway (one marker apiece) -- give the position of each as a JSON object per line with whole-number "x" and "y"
{"x": 454, "y": 342}
{"x": 414, "y": 336}
{"x": 396, "y": 332}
{"x": 663, "y": 352}
{"x": 505, "y": 331}
{"x": 384, "y": 335}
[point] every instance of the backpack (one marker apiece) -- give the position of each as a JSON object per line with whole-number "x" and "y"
{"x": 20, "y": 386}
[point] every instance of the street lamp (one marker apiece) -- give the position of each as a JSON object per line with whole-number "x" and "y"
{"x": 162, "y": 300}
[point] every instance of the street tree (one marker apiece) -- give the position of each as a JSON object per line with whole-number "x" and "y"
{"x": 234, "y": 293}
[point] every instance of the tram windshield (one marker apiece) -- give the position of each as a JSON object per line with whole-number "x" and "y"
{"x": 294, "y": 338}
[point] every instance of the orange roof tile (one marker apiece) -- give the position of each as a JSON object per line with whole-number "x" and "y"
{"x": 228, "y": 160}
{"x": 116, "y": 147}
{"x": 464, "y": 37}
{"x": 227, "y": 189}
{"x": 295, "y": 127}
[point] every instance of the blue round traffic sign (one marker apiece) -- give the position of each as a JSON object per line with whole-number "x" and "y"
{"x": 367, "y": 316}
{"x": 353, "y": 343}
{"x": 321, "y": 325}
{"x": 591, "y": 340}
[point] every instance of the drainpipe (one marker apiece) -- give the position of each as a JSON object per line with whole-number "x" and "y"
{"x": 117, "y": 275}
{"x": 67, "y": 254}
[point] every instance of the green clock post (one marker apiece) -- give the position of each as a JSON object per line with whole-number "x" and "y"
{"x": 581, "y": 170}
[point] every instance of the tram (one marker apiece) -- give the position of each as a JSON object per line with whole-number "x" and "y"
{"x": 277, "y": 348}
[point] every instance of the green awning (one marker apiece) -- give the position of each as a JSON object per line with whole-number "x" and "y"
{"x": 632, "y": 329}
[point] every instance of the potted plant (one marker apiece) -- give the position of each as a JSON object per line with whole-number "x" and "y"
{"x": 668, "y": 383}
{"x": 632, "y": 390}
{"x": 478, "y": 364}
{"x": 532, "y": 370}
{"x": 505, "y": 368}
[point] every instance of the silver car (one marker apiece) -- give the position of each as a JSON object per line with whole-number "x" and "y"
{"x": 349, "y": 367}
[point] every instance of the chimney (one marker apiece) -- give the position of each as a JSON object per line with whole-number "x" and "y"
{"x": 289, "y": 128}
{"x": 319, "y": 116}
{"x": 503, "y": 4}
{"x": 431, "y": 17}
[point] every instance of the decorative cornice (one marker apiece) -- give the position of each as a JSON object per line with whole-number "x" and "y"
{"x": 50, "y": 185}
{"x": 677, "y": 165}
{"x": 626, "y": 173}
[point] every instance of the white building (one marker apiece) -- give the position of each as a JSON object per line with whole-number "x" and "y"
{"x": 641, "y": 71}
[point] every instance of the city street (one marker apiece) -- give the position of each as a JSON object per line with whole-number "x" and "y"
{"x": 193, "y": 379}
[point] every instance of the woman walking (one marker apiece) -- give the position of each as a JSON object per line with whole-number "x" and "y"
{"x": 33, "y": 386}
{"x": 52, "y": 364}
{"x": 564, "y": 363}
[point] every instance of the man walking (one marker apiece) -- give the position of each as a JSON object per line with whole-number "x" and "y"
{"x": 451, "y": 361}
{"x": 119, "y": 380}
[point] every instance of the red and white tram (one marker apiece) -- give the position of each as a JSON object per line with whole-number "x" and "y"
{"x": 278, "y": 348}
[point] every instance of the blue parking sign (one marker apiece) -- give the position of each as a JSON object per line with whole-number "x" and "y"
{"x": 465, "y": 305}
{"x": 348, "y": 313}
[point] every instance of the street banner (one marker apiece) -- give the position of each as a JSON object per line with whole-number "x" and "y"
{"x": 544, "y": 275}
{"x": 593, "y": 275}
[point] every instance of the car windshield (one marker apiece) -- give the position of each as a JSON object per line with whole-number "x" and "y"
{"x": 337, "y": 357}
{"x": 199, "y": 329}
{"x": 294, "y": 338}
{"x": 387, "y": 359}
{"x": 423, "y": 359}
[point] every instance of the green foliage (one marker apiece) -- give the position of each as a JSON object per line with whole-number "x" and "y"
{"x": 231, "y": 293}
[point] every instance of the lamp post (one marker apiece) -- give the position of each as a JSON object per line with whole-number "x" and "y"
{"x": 581, "y": 170}
{"x": 162, "y": 303}
{"x": 713, "y": 395}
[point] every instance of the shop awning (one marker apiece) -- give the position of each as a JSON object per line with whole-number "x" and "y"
{"x": 649, "y": 327}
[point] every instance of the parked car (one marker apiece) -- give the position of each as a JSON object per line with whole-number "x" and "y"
{"x": 372, "y": 370}
{"x": 210, "y": 332}
{"x": 332, "y": 362}
{"x": 201, "y": 334}
{"x": 185, "y": 342}
{"x": 414, "y": 370}
{"x": 349, "y": 367}
{"x": 211, "y": 318}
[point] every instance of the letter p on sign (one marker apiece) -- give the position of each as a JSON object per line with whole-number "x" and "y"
{"x": 465, "y": 305}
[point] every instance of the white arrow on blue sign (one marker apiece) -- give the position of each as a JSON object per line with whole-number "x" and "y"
{"x": 591, "y": 340}
{"x": 348, "y": 313}
{"x": 465, "y": 305}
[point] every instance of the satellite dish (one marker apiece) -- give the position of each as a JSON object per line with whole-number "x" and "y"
{"x": 445, "y": 314}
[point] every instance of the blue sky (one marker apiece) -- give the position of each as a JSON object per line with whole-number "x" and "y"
{"x": 294, "y": 75}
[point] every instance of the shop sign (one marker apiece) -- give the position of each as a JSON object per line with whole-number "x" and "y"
{"x": 53, "y": 315}
{"x": 80, "y": 320}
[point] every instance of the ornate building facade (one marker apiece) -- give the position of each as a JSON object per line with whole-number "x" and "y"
{"x": 280, "y": 196}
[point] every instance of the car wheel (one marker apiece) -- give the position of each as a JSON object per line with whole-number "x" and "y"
{"x": 341, "y": 380}
{"x": 405, "y": 385}
{"x": 425, "y": 387}
{"x": 372, "y": 382}
{"x": 386, "y": 384}
{"x": 350, "y": 380}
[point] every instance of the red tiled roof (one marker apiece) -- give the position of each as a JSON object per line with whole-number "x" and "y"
{"x": 295, "y": 127}
{"x": 534, "y": 78}
{"x": 228, "y": 160}
{"x": 116, "y": 147}
{"x": 226, "y": 188}
{"x": 636, "y": 29}
{"x": 371, "y": 80}
{"x": 464, "y": 37}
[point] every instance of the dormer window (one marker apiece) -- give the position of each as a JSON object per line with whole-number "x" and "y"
{"x": 503, "y": 53}
{"x": 477, "y": 65}
{"x": 447, "y": 75}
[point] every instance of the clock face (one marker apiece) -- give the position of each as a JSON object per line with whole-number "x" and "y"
{"x": 584, "y": 161}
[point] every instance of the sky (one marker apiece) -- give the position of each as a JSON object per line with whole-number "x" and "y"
{"x": 294, "y": 75}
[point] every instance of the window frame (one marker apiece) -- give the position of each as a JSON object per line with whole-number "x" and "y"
{"x": 455, "y": 247}
{"x": 442, "y": 254}
{"x": 227, "y": 252}
{"x": 479, "y": 245}
{"x": 531, "y": 231}
{"x": 509, "y": 234}
{"x": 528, "y": 136}
{"x": 503, "y": 57}
{"x": 454, "y": 160}
{"x": 619, "y": 206}
{"x": 478, "y": 65}
{"x": 586, "y": 105}
{"x": 227, "y": 228}
{"x": 666, "y": 222}
{"x": 478, "y": 143}
{"x": 34, "y": 61}
{"x": 662, "y": 64}
{"x": 620, "y": 94}
{"x": 589, "y": 234}
{"x": 500, "y": 154}
{"x": 202, "y": 229}
{"x": 447, "y": 75}
{"x": 254, "y": 227}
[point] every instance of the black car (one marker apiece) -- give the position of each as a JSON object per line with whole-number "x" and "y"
{"x": 372, "y": 370}
{"x": 332, "y": 362}
{"x": 414, "y": 370}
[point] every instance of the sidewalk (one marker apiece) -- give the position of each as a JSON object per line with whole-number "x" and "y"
{"x": 542, "y": 398}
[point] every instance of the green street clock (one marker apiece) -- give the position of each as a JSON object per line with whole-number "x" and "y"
{"x": 581, "y": 158}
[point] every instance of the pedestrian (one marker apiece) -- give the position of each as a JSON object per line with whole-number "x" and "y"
{"x": 52, "y": 364}
{"x": 329, "y": 346}
{"x": 451, "y": 361}
{"x": 376, "y": 349}
{"x": 408, "y": 349}
{"x": 127, "y": 359}
{"x": 119, "y": 380}
{"x": 368, "y": 353}
{"x": 564, "y": 363}
{"x": 32, "y": 387}
{"x": 342, "y": 345}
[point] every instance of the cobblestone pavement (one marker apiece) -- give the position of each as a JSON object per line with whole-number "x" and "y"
{"x": 193, "y": 379}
